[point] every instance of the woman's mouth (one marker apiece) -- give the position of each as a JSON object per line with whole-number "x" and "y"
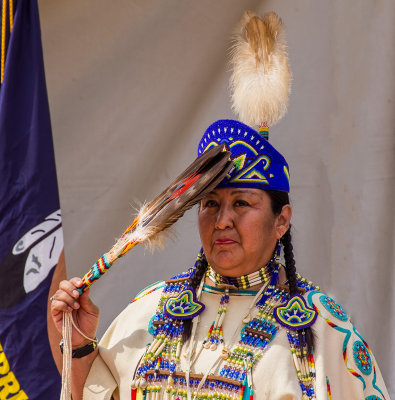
{"x": 224, "y": 242}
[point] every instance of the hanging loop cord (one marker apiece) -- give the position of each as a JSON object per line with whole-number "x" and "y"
{"x": 67, "y": 330}
{"x": 66, "y": 371}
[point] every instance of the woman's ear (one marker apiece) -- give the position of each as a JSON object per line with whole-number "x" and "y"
{"x": 283, "y": 220}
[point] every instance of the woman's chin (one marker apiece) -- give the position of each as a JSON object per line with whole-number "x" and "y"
{"x": 226, "y": 266}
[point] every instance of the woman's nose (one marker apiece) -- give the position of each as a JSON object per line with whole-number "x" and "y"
{"x": 224, "y": 218}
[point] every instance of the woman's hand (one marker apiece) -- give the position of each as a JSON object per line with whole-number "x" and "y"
{"x": 85, "y": 313}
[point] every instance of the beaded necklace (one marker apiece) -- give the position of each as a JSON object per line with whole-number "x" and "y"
{"x": 244, "y": 281}
{"x": 159, "y": 374}
{"x": 214, "y": 335}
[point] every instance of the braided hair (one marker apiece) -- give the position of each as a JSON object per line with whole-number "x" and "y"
{"x": 279, "y": 199}
{"x": 201, "y": 267}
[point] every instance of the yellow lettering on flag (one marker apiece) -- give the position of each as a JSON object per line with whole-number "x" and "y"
{"x": 4, "y": 366}
{"x": 19, "y": 396}
{"x": 8, "y": 385}
{"x": 8, "y": 382}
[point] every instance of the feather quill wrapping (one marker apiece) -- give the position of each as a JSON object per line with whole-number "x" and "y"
{"x": 260, "y": 81}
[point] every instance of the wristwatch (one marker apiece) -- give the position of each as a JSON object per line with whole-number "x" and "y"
{"x": 81, "y": 351}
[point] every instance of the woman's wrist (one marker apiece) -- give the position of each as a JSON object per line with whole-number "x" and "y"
{"x": 83, "y": 349}
{"x": 84, "y": 342}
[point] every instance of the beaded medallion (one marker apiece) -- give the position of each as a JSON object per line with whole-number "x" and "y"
{"x": 362, "y": 357}
{"x": 183, "y": 306}
{"x": 334, "y": 308}
{"x": 295, "y": 314}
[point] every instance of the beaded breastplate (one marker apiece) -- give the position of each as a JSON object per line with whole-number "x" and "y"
{"x": 159, "y": 373}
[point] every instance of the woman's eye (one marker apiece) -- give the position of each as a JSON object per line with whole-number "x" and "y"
{"x": 210, "y": 203}
{"x": 241, "y": 203}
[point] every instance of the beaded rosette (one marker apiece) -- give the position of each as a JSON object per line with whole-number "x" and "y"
{"x": 159, "y": 373}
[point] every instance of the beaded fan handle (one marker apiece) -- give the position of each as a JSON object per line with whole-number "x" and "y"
{"x": 98, "y": 269}
{"x": 103, "y": 264}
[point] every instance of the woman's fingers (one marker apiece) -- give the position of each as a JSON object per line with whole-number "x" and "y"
{"x": 76, "y": 281}
{"x": 70, "y": 287}
{"x": 85, "y": 312}
{"x": 65, "y": 296}
{"x": 59, "y": 306}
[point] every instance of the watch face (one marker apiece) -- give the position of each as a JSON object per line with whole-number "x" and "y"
{"x": 31, "y": 259}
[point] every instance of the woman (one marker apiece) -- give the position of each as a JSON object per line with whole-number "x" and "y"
{"x": 237, "y": 324}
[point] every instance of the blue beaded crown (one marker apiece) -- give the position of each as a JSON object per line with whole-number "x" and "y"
{"x": 257, "y": 164}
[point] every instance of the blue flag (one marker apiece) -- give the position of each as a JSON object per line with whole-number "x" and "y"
{"x": 31, "y": 239}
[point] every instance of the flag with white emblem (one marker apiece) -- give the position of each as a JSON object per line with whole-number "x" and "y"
{"x": 31, "y": 243}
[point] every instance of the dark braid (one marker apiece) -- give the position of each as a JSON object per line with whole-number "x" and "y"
{"x": 201, "y": 268}
{"x": 290, "y": 268}
{"x": 278, "y": 200}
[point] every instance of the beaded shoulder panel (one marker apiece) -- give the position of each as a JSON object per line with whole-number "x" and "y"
{"x": 148, "y": 290}
{"x": 174, "y": 282}
{"x": 357, "y": 355}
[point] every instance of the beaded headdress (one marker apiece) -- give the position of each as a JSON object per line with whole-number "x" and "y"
{"x": 256, "y": 163}
{"x": 260, "y": 85}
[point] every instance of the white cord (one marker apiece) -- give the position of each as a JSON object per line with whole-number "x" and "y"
{"x": 67, "y": 331}
{"x": 80, "y": 332}
{"x": 66, "y": 371}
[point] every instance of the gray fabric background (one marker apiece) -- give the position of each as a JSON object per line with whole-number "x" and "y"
{"x": 133, "y": 84}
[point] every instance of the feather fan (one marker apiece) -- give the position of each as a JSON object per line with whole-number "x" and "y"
{"x": 201, "y": 177}
{"x": 260, "y": 81}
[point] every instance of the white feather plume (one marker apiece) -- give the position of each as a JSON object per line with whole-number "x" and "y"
{"x": 260, "y": 81}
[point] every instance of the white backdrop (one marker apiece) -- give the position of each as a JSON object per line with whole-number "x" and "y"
{"x": 132, "y": 86}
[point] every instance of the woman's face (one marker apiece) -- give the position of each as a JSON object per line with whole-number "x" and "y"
{"x": 239, "y": 230}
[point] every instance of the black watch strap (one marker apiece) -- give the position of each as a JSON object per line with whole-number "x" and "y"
{"x": 81, "y": 351}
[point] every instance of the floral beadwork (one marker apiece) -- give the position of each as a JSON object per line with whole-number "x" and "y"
{"x": 334, "y": 308}
{"x": 373, "y": 397}
{"x": 362, "y": 357}
{"x": 183, "y": 306}
{"x": 295, "y": 314}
